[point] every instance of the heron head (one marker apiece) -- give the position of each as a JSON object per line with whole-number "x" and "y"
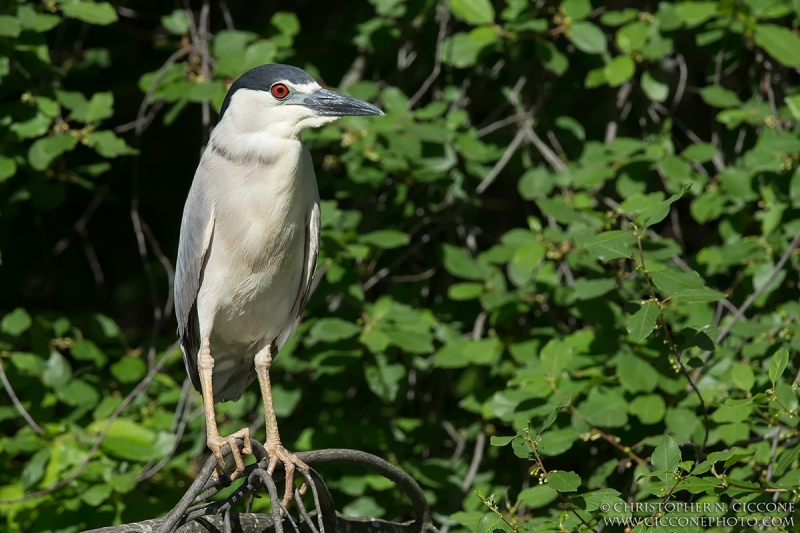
{"x": 284, "y": 100}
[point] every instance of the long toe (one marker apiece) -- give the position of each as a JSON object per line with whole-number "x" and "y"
{"x": 278, "y": 454}
{"x": 216, "y": 443}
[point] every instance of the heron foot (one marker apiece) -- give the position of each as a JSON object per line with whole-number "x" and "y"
{"x": 216, "y": 442}
{"x": 278, "y": 454}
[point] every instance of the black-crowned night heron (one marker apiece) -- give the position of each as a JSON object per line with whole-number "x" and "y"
{"x": 249, "y": 241}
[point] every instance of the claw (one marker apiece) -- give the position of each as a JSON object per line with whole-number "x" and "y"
{"x": 277, "y": 453}
{"x": 215, "y": 443}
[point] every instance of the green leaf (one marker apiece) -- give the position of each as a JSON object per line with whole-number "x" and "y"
{"x": 462, "y": 49}
{"x": 702, "y": 295}
{"x": 604, "y": 408}
{"x": 37, "y": 22}
{"x": 459, "y": 263}
{"x": 384, "y": 379}
{"x": 176, "y": 22}
{"x": 557, "y": 441}
{"x": 654, "y": 88}
{"x": 786, "y": 459}
{"x": 793, "y": 103}
{"x": 717, "y": 96}
{"x": 101, "y": 13}
{"x": 555, "y": 356}
{"x": 35, "y": 468}
{"x": 43, "y": 151}
{"x": 535, "y": 183}
{"x": 632, "y": 38}
{"x": 586, "y": 289}
{"x": 695, "y": 13}
{"x": 537, "y": 496}
{"x": 473, "y": 11}
{"x": 127, "y": 439}
{"x": 285, "y": 399}
{"x": 8, "y": 167}
{"x": 375, "y": 340}
{"x": 286, "y": 22}
{"x": 618, "y": 18}
{"x": 9, "y": 26}
{"x": 778, "y": 364}
{"x": 636, "y": 374}
{"x": 501, "y": 441}
{"x": 78, "y": 393}
{"x": 588, "y": 38}
{"x": 16, "y": 322}
{"x": 619, "y": 70}
{"x": 100, "y": 106}
{"x": 576, "y": 9}
{"x": 701, "y": 152}
{"x": 779, "y": 42}
{"x": 35, "y": 127}
{"x": 58, "y": 372}
{"x": 528, "y": 256}
{"x": 642, "y": 323}
{"x": 386, "y": 238}
{"x": 86, "y": 350}
{"x": 571, "y": 125}
{"x": 610, "y": 245}
{"x": 563, "y": 481}
{"x": 333, "y": 329}
{"x": 552, "y": 59}
{"x": 743, "y": 376}
{"x": 666, "y": 456}
{"x": 129, "y": 369}
{"x": 464, "y": 352}
{"x": 465, "y": 291}
{"x": 107, "y": 144}
{"x": 96, "y": 494}
{"x": 28, "y": 364}
{"x": 673, "y": 280}
{"x": 649, "y": 409}
{"x": 492, "y": 523}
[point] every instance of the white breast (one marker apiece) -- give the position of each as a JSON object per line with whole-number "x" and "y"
{"x": 256, "y": 261}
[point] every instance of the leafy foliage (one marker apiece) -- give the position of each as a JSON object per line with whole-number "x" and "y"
{"x": 574, "y": 233}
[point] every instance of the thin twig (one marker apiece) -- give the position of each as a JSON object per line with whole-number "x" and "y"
{"x": 502, "y": 162}
{"x": 226, "y": 15}
{"x": 622, "y": 97}
{"x": 166, "y": 263}
{"x": 550, "y": 156}
{"x": 179, "y": 422}
{"x": 154, "y": 84}
{"x": 513, "y": 119}
{"x": 458, "y": 438}
{"x": 738, "y": 314}
{"x": 141, "y": 387}
{"x": 753, "y": 297}
{"x": 31, "y": 422}
{"x": 443, "y": 14}
{"x": 480, "y": 443}
{"x": 204, "y": 35}
{"x": 151, "y": 281}
{"x": 80, "y": 224}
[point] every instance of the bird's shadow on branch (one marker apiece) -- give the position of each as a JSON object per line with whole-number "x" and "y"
{"x": 196, "y": 512}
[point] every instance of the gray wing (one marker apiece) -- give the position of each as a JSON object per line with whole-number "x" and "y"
{"x": 309, "y": 266}
{"x": 197, "y": 227}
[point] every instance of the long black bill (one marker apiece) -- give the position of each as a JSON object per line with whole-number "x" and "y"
{"x": 330, "y": 104}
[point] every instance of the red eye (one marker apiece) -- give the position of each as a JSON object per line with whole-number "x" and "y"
{"x": 279, "y": 91}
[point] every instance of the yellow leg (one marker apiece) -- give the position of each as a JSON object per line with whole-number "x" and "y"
{"x": 205, "y": 365}
{"x": 275, "y": 450}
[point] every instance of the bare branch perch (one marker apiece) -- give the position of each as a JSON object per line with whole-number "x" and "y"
{"x": 197, "y": 513}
